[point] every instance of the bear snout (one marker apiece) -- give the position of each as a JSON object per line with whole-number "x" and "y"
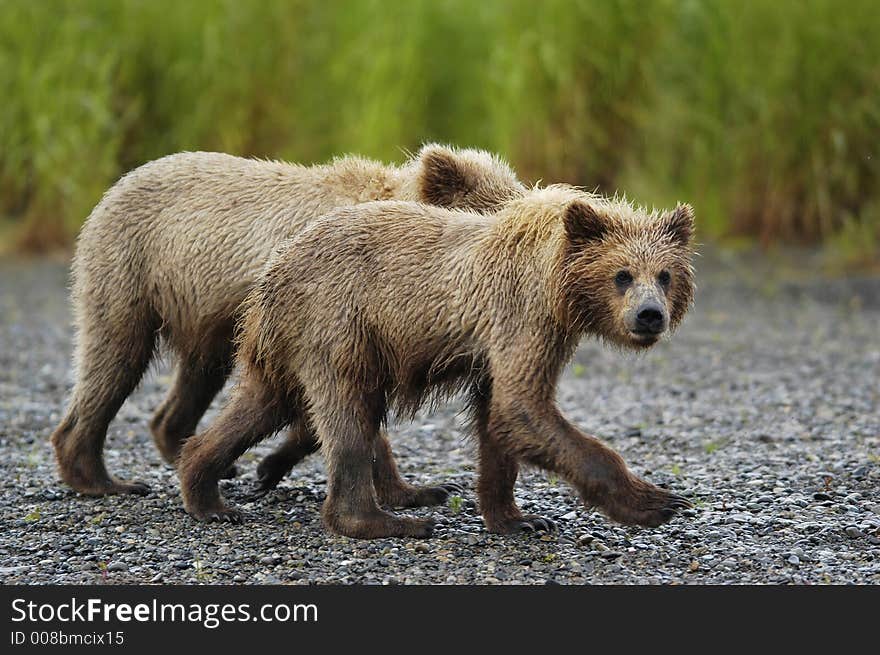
{"x": 650, "y": 319}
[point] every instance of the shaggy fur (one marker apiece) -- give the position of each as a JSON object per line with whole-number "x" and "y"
{"x": 173, "y": 249}
{"x": 389, "y": 304}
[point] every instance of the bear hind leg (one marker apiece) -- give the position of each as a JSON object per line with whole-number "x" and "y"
{"x": 391, "y": 489}
{"x": 196, "y": 382}
{"x": 299, "y": 443}
{"x": 253, "y": 413}
{"x": 348, "y": 431}
{"x": 110, "y": 368}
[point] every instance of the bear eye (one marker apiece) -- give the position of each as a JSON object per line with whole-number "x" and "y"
{"x": 664, "y": 278}
{"x": 623, "y": 278}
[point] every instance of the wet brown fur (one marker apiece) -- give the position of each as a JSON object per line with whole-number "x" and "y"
{"x": 388, "y": 304}
{"x": 172, "y": 250}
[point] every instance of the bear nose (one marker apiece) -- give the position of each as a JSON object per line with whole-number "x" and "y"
{"x": 650, "y": 319}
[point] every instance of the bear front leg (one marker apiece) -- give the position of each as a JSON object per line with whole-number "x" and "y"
{"x": 601, "y": 476}
{"x": 498, "y": 470}
{"x": 497, "y": 477}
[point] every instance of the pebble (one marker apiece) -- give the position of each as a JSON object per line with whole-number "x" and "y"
{"x": 584, "y": 539}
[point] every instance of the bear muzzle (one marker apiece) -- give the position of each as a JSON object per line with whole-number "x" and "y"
{"x": 647, "y": 322}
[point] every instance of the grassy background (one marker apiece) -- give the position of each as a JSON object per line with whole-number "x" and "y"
{"x": 764, "y": 114}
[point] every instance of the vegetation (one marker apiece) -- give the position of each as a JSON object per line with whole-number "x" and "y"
{"x": 764, "y": 114}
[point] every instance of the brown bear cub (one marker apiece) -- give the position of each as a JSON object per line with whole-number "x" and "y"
{"x": 172, "y": 250}
{"x": 386, "y": 305}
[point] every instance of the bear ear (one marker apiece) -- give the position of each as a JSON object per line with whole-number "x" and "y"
{"x": 679, "y": 224}
{"x": 583, "y": 223}
{"x": 446, "y": 178}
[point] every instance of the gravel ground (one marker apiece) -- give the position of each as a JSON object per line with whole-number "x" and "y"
{"x": 763, "y": 409}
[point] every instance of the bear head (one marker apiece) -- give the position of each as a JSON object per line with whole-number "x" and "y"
{"x": 628, "y": 274}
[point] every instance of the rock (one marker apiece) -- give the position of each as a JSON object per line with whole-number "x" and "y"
{"x": 853, "y": 532}
{"x": 472, "y": 539}
{"x": 8, "y": 570}
{"x": 860, "y": 472}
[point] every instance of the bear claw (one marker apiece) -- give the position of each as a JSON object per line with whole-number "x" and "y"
{"x": 227, "y": 515}
{"x": 530, "y": 523}
{"x": 135, "y": 487}
{"x": 537, "y": 524}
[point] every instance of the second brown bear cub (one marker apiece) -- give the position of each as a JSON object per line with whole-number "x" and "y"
{"x": 169, "y": 254}
{"x": 384, "y": 305}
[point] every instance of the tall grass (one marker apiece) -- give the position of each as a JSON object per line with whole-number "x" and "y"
{"x": 774, "y": 126}
{"x": 765, "y": 114}
{"x": 572, "y": 85}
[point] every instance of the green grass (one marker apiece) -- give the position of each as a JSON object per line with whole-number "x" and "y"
{"x": 763, "y": 114}
{"x": 711, "y": 446}
{"x": 455, "y": 503}
{"x": 203, "y": 574}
